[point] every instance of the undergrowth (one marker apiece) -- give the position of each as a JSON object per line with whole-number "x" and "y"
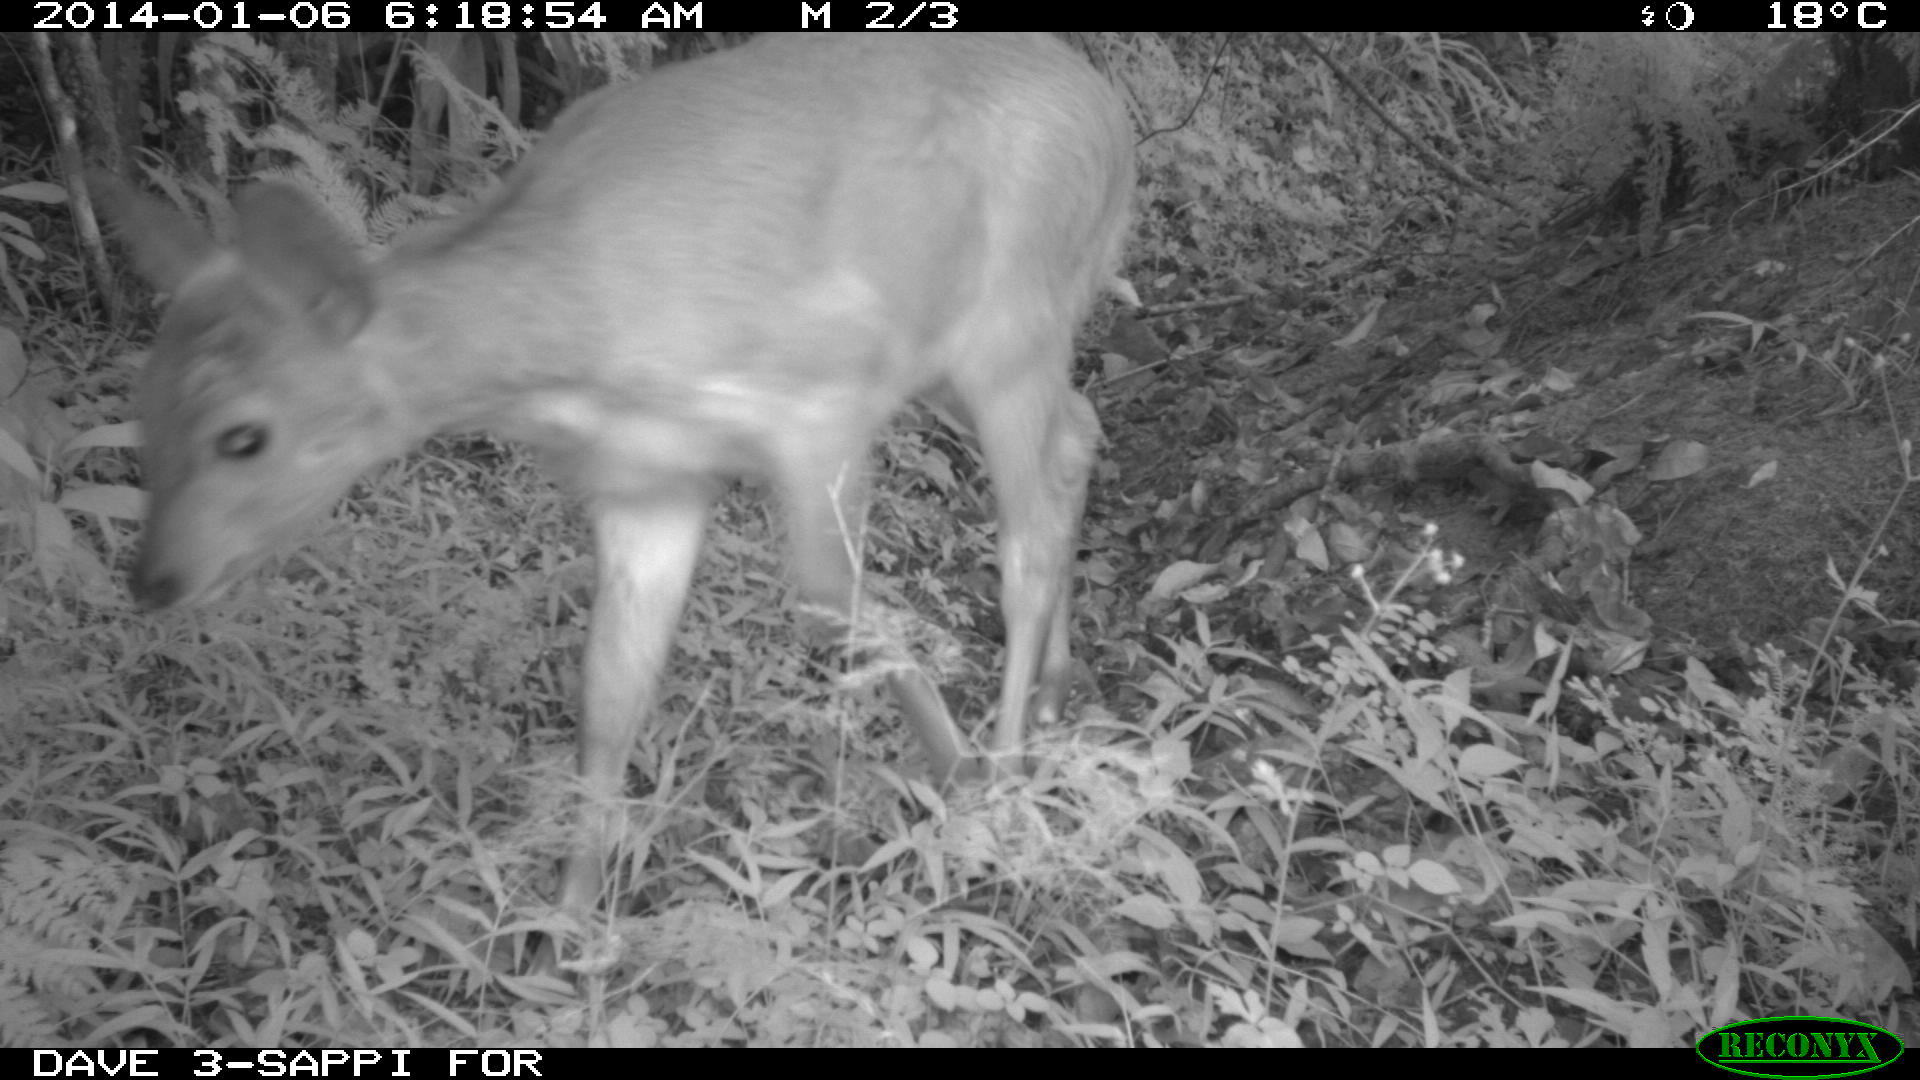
{"x": 323, "y": 813}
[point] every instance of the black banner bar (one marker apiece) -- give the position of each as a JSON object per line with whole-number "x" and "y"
{"x": 367, "y": 16}
{"x": 287, "y": 1064}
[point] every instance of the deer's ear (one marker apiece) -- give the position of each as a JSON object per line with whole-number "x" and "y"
{"x": 288, "y": 242}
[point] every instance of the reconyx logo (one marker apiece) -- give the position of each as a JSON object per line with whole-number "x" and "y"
{"x": 1800, "y": 1047}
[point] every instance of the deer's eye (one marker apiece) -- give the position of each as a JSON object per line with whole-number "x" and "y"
{"x": 240, "y": 442}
